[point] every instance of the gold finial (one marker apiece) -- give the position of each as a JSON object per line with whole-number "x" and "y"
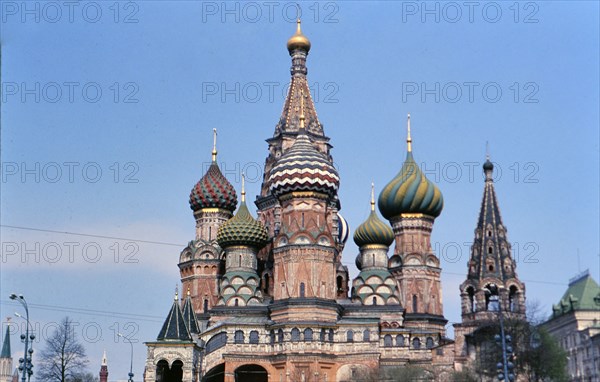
{"x": 298, "y": 28}
{"x": 243, "y": 187}
{"x": 188, "y": 292}
{"x": 408, "y": 138}
{"x": 302, "y": 116}
{"x": 176, "y": 293}
{"x": 372, "y": 196}
{"x": 214, "y": 150}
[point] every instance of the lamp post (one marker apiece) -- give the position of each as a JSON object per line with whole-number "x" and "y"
{"x": 505, "y": 367}
{"x": 26, "y": 365}
{"x": 131, "y": 362}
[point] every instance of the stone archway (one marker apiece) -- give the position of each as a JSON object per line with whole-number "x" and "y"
{"x": 251, "y": 373}
{"x": 216, "y": 374}
{"x": 164, "y": 373}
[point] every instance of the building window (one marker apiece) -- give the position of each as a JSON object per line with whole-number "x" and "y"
{"x": 295, "y": 335}
{"x": 340, "y": 283}
{"x": 308, "y": 334}
{"x": 387, "y": 341}
{"x": 367, "y": 335}
{"x": 272, "y": 337}
{"x": 238, "y": 337}
{"x": 216, "y": 342}
{"x": 254, "y": 337}
{"x": 280, "y": 336}
{"x": 471, "y": 293}
{"x": 302, "y": 289}
{"x": 322, "y": 335}
{"x": 205, "y": 305}
{"x": 374, "y": 300}
{"x": 349, "y": 336}
{"x": 416, "y": 343}
{"x": 429, "y": 343}
{"x": 399, "y": 340}
{"x": 414, "y": 303}
{"x": 330, "y": 335}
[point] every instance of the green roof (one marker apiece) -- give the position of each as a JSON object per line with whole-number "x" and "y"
{"x": 583, "y": 294}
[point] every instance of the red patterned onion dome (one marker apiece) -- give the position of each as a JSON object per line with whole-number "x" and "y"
{"x": 303, "y": 168}
{"x": 213, "y": 191}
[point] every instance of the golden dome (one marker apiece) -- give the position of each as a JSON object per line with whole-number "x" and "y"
{"x": 298, "y": 41}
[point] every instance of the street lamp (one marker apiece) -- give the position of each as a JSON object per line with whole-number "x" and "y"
{"x": 131, "y": 363}
{"x": 26, "y": 366}
{"x": 505, "y": 341}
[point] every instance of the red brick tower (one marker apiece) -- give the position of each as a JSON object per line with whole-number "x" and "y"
{"x": 104, "y": 369}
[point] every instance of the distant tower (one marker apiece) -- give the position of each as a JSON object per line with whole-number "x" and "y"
{"x": 492, "y": 282}
{"x": 6, "y": 365}
{"x": 104, "y": 369}
{"x": 213, "y": 200}
{"x": 411, "y": 202}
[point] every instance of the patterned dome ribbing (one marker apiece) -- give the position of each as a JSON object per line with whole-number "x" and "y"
{"x": 213, "y": 191}
{"x": 242, "y": 229}
{"x": 373, "y": 230}
{"x": 303, "y": 168}
{"x": 410, "y": 191}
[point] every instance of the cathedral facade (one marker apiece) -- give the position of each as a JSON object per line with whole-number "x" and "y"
{"x": 268, "y": 299}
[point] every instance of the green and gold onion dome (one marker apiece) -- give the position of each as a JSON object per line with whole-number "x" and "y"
{"x": 242, "y": 229}
{"x": 298, "y": 41}
{"x": 373, "y": 231}
{"x": 410, "y": 192}
{"x": 213, "y": 190}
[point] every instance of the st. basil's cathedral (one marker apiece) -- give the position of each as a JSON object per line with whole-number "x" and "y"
{"x": 269, "y": 299}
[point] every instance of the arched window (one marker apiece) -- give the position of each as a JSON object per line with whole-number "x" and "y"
{"x": 295, "y": 335}
{"x": 399, "y": 340}
{"x": 238, "y": 337}
{"x": 512, "y": 298}
{"x": 374, "y": 300}
{"x": 414, "y": 303}
{"x": 330, "y": 337}
{"x": 349, "y": 336}
{"x": 308, "y": 334}
{"x": 322, "y": 335}
{"x": 280, "y": 336}
{"x": 367, "y": 335}
{"x": 272, "y": 337}
{"x": 471, "y": 293}
{"x": 416, "y": 343}
{"x": 340, "y": 283}
{"x": 216, "y": 342}
{"x": 162, "y": 370}
{"x": 492, "y": 300}
{"x": 302, "y": 289}
{"x": 387, "y": 341}
{"x": 429, "y": 343}
{"x": 266, "y": 286}
{"x": 176, "y": 372}
{"x": 254, "y": 337}
{"x": 205, "y": 307}
{"x": 235, "y": 302}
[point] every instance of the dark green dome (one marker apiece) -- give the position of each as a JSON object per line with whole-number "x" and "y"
{"x": 488, "y": 166}
{"x": 242, "y": 229}
{"x": 410, "y": 192}
{"x": 373, "y": 231}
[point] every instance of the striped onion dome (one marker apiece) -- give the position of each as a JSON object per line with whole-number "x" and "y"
{"x": 303, "y": 168}
{"x": 213, "y": 191}
{"x": 410, "y": 192}
{"x": 343, "y": 230}
{"x": 373, "y": 231}
{"x": 242, "y": 229}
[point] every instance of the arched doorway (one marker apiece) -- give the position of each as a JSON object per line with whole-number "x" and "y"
{"x": 166, "y": 374}
{"x": 251, "y": 373}
{"x": 216, "y": 374}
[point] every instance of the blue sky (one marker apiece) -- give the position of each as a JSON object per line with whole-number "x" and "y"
{"x": 107, "y": 111}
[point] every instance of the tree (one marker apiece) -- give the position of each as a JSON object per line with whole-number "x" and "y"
{"x": 63, "y": 358}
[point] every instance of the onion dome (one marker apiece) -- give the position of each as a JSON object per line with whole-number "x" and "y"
{"x": 488, "y": 166}
{"x": 213, "y": 190}
{"x": 373, "y": 230}
{"x": 343, "y": 230}
{"x": 298, "y": 41}
{"x": 410, "y": 192}
{"x": 242, "y": 229}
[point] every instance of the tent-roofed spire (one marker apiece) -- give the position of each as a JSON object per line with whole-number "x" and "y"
{"x": 6, "y": 353}
{"x": 298, "y": 93}
{"x": 174, "y": 328}
{"x": 189, "y": 316}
